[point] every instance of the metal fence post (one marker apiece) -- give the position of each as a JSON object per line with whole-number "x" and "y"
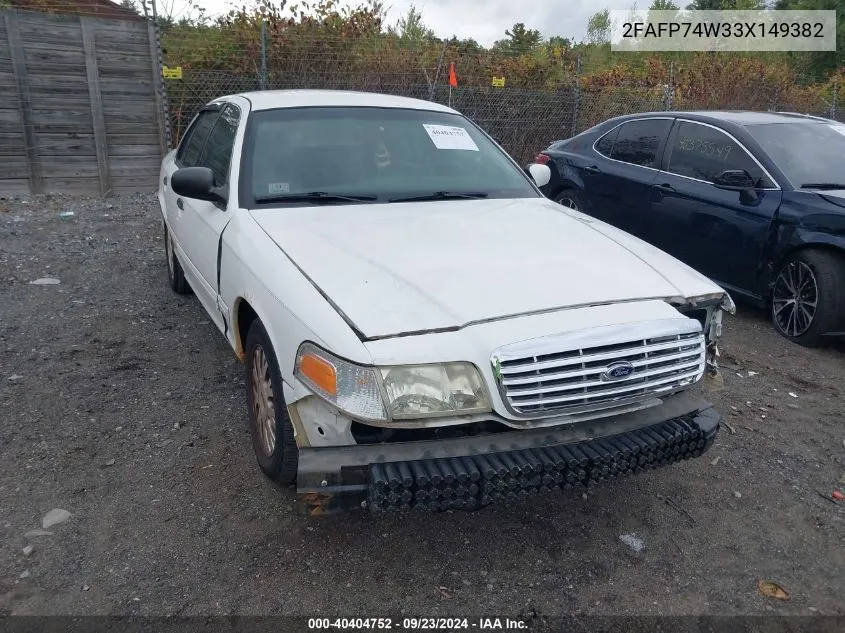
{"x": 576, "y": 106}
{"x": 432, "y": 89}
{"x": 151, "y": 13}
{"x": 262, "y": 75}
{"x": 670, "y": 87}
{"x": 833, "y": 100}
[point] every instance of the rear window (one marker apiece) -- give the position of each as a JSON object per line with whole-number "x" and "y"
{"x": 638, "y": 142}
{"x": 605, "y": 143}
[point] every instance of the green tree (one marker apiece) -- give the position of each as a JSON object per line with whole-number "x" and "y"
{"x": 598, "y": 28}
{"x": 556, "y": 41}
{"x": 726, "y": 5}
{"x": 816, "y": 65}
{"x": 131, "y": 5}
{"x": 412, "y": 29}
{"x": 663, "y": 5}
{"x": 520, "y": 40}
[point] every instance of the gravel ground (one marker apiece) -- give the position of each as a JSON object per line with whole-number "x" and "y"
{"x": 122, "y": 404}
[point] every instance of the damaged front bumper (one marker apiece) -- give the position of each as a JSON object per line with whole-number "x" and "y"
{"x": 709, "y": 313}
{"x": 473, "y": 472}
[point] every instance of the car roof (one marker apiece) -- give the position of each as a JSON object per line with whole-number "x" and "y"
{"x": 272, "y": 99}
{"x": 736, "y": 117}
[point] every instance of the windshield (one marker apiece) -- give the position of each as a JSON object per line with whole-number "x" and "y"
{"x": 806, "y": 152}
{"x": 379, "y": 154}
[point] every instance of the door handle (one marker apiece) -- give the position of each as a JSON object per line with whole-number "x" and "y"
{"x": 179, "y": 203}
{"x": 665, "y": 188}
{"x": 592, "y": 169}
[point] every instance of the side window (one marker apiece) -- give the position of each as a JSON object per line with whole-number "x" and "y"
{"x": 217, "y": 153}
{"x": 638, "y": 141}
{"x": 192, "y": 143}
{"x": 702, "y": 152}
{"x": 604, "y": 146}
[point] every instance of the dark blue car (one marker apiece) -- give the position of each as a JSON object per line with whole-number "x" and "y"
{"x": 755, "y": 201}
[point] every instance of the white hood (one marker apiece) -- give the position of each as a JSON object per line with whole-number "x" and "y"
{"x": 415, "y": 267}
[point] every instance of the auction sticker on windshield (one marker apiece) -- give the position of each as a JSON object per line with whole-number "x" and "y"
{"x": 279, "y": 187}
{"x": 450, "y": 137}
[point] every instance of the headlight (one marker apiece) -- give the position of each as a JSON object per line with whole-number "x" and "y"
{"x": 350, "y": 387}
{"x": 410, "y": 391}
{"x": 418, "y": 391}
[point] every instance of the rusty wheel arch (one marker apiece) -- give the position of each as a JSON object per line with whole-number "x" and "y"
{"x": 245, "y": 315}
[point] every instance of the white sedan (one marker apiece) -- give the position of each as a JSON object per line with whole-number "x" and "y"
{"x": 420, "y": 327}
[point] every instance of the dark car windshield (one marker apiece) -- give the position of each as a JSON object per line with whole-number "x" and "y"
{"x": 805, "y": 151}
{"x": 388, "y": 153}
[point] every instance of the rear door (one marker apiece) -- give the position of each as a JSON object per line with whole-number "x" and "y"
{"x": 720, "y": 233}
{"x": 617, "y": 185}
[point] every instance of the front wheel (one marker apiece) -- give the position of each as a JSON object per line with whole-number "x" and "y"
{"x": 175, "y": 274}
{"x": 273, "y": 439}
{"x": 808, "y": 296}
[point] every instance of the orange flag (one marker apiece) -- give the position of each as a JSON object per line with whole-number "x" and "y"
{"x": 453, "y": 79}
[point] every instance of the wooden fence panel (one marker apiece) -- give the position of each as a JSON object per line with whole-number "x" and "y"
{"x": 82, "y": 113}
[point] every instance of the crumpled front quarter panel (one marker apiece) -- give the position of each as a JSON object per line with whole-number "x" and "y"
{"x": 253, "y": 269}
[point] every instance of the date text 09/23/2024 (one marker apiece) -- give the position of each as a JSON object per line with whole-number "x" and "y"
{"x": 417, "y": 624}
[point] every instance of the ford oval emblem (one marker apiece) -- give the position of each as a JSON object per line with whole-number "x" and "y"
{"x": 617, "y": 371}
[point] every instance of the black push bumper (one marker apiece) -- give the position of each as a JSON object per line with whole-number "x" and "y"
{"x": 471, "y": 473}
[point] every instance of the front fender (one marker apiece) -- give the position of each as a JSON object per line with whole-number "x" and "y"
{"x": 791, "y": 239}
{"x": 255, "y": 270}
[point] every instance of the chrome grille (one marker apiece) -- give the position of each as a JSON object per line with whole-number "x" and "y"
{"x": 554, "y": 381}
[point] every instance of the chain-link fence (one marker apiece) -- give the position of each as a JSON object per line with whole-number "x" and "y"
{"x": 551, "y": 94}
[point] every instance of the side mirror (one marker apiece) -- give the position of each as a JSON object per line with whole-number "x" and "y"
{"x": 734, "y": 179}
{"x": 738, "y": 180}
{"x": 541, "y": 174}
{"x": 197, "y": 182}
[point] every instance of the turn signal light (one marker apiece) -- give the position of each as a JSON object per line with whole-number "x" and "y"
{"x": 320, "y": 372}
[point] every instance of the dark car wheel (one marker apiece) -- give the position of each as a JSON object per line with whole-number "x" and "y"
{"x": 571, "y": 198}
{"x": 272, "y": 433}
{"x": 175, "y": 274}
{"x": 808, "y": 296}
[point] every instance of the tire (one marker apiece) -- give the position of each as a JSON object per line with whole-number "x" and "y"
{"x": 175, "y": 274}
{"x": 571, "y": 198}
{"x": 273, "y": 440}
{"x": 814, "y": 281}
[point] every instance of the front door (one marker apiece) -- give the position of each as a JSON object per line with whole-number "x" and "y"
{"x": 721, "y": 233}
{"x": 198, "y": 224}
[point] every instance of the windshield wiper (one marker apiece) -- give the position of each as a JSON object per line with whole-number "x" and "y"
{"x": 823, "y": 185}
{"x": 317, "y": 197}
{"x": 443, "y": 195}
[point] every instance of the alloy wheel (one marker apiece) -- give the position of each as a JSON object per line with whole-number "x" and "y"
{"x": 795, "y": 299}
{"x": 263, "y": 405}
{"x": 568, "y": 202}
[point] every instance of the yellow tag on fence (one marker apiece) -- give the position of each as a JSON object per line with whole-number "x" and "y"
{"x": 498, "y": 82}
{"x": 171, "y": 73}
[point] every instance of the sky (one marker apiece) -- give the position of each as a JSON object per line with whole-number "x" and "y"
{"x": 486, "y": 20}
